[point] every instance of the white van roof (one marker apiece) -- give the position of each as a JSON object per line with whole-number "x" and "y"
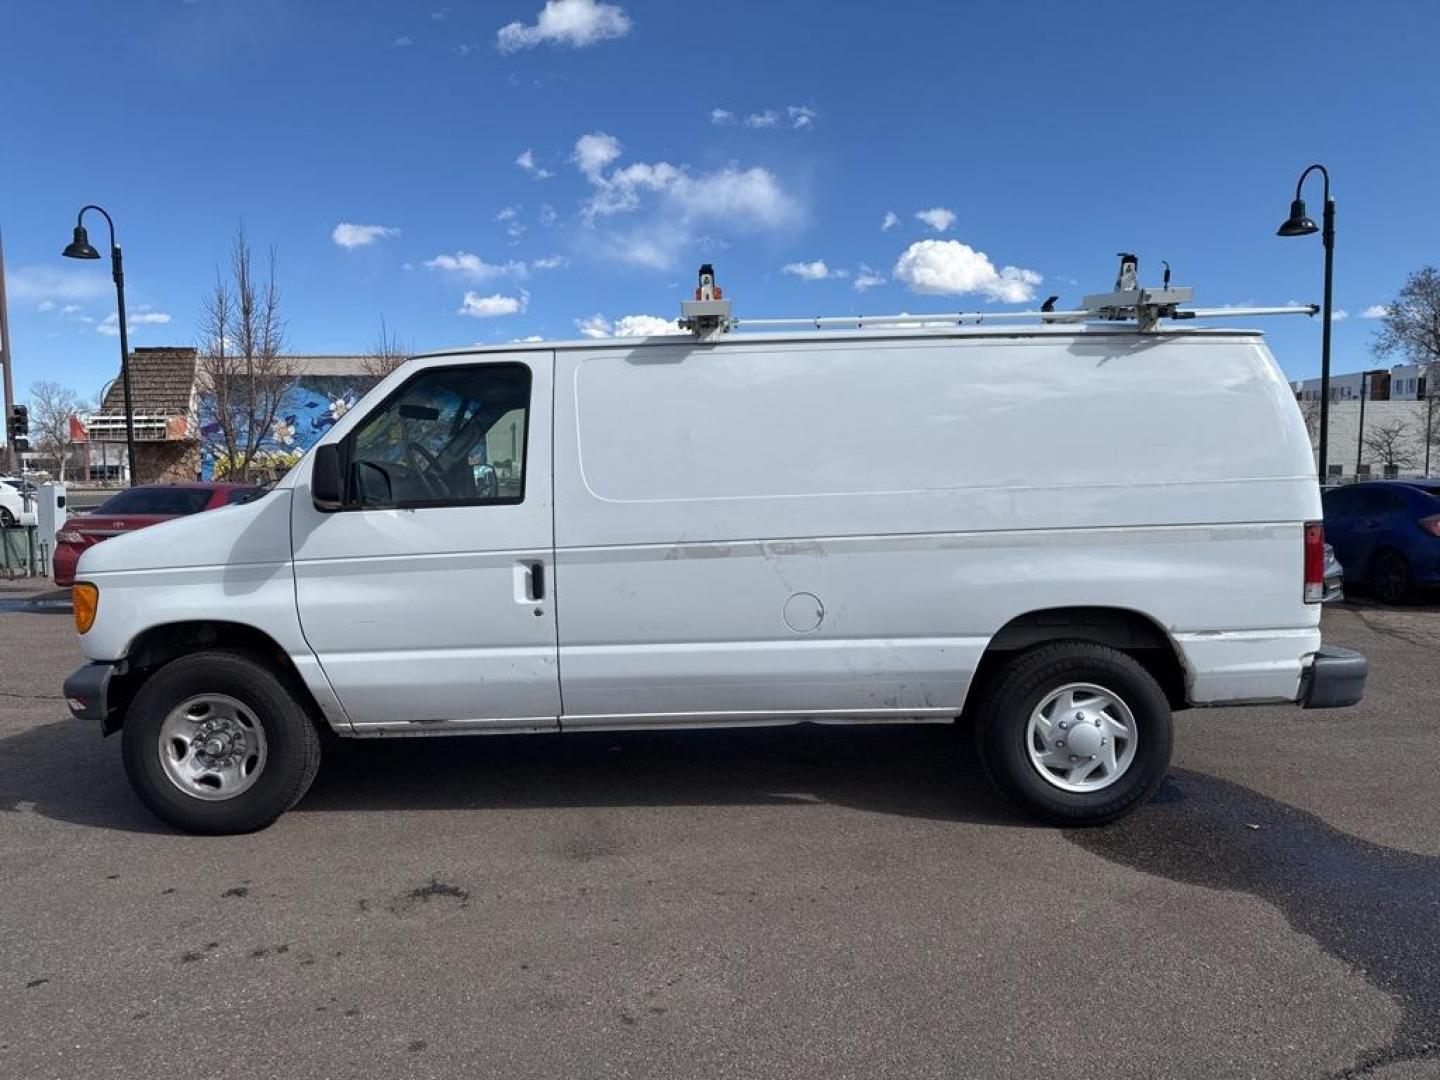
{"x": 878, "y": 333}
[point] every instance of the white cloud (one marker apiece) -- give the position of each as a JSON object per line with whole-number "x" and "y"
{"x": 472, "y": 267}
{"x": 69, "y": 309}
{"x": 527, "y": 340}
{"x": 36, "y": 284}
{"x": 510, "y": 217}
{"x": 800, "y": 116}
{"x": 937, "y": 217}
{"x": 489, "y": 307}
{"x": 45, "y": 305}
{"x": 767, "y": 119}
{"x": 812, "y": 271}
{"x": 1339, "y": 315}
{"x": 550, "y": 262}
{"x": 576, "y": 23}
{"x": 526, "y": 161}
{"x": 349, "y": 236}
{"x": 889, "y": 222}
{"x": 627, "y": 326}
{"x": 867, "y": 279}
{"x": 743, "y": 199}
{"x": 402, "y": 42}
{"x": 948, "y": 267}
{"x": 441, "y": 14}
{"x": 595, "y": 151}
{"x": 721, "y": 117}
{"x": 142, "y": 316}
{"x": 1375, "y": 311}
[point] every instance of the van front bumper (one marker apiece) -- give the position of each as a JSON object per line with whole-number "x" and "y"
{"x": 1334, "y": 679}
{"x": 87, "y": 693}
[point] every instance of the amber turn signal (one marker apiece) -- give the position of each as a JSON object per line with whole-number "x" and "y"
{"x": 85, "y": 598}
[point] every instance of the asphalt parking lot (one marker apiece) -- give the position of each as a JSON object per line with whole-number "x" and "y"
{"x": 806, "y": 902}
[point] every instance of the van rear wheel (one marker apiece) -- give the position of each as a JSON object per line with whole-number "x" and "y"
{"x": 1074, "y": 732}
{"x": 216, "y": 743}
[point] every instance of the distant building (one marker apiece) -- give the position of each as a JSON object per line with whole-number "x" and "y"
{"x": 1403, "y": 382}
{"x": 174, "y": 436}
{"x": 1401, "y": 415}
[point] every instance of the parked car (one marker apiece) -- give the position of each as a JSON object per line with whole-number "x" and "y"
{"x": 1334, "y": 576}
{"x": 1060, "y": 533}
{"x": 1386, "y": 534}
{"x": 14, "y": 509}
{"x": 137, "y": 508}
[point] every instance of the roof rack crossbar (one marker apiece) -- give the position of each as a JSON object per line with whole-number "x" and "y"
{"x": 1129, "y": 303}
{"x": 947, "y": 318}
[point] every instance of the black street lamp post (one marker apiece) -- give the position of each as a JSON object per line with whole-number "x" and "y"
{"x": 1299, "y": 224}
{"x": 80, "y": 248}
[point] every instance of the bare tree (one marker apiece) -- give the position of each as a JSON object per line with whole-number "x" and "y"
{"x": 1411, "y": 326}
{"x": 1392, "y": 443}
{"x": 243, "y": 376}
{"x": 51, "y": 407}
{"x": 1310, "y": 410}
{"x": 385, "y": 355}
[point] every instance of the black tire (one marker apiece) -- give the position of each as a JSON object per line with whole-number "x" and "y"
{"x": 7, "y": 519}
{"x": 1021, "y": 686}
{"x": 1391, "y": 577}
{"x": 292, "y": 743}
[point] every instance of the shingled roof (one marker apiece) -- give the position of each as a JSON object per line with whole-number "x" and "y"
{"x": 162, "y": 381}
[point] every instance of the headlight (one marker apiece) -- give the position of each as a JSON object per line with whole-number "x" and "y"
{"x": 85, "y": 599}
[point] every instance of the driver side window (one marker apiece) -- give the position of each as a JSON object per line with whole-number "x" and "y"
{"x": 451, "y": 436}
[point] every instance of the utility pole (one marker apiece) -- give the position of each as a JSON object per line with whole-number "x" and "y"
{"x": 1360, "y": 437}
{"x": 13, "y": 466}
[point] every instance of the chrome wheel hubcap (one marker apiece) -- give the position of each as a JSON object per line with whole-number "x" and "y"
{"x": 1081, "y": 737}
{"x": 212, "y": 747}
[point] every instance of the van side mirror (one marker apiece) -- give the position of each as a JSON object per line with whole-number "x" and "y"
{"x": 326, "y": 487}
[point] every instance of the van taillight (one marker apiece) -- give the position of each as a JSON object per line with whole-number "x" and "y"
{"x": 1314, "y": 562}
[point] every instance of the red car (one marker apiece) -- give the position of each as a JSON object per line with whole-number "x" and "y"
{"x": 138, "y": 508}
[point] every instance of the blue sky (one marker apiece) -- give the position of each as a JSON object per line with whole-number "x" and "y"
{"x": 490, "y": 171}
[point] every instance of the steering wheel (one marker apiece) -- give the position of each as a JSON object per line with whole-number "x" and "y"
{"x": 423, "y": 469}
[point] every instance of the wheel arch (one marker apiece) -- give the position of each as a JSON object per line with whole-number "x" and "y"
{"x": 1132, "y": 632}
{"x": 156, "y": 646}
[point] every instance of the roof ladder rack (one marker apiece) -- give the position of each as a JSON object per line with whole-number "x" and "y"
{"x": 709, "y": 314}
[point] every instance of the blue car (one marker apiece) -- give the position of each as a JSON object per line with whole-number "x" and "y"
{"x": 1386, "y": 534}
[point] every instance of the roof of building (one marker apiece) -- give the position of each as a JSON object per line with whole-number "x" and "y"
{"x": 161, "y": 383}
{"x": 162, "y": 378}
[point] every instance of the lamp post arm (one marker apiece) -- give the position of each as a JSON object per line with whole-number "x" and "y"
{"x": 1324, "y": 173}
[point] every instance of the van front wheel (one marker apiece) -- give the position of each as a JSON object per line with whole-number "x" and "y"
{"x": 1076, "y": 733}
{"x": 215, "y": 743}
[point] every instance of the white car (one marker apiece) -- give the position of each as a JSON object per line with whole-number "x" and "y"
{"x": 15, "y": 508}
{"x": 1059, "y": 534}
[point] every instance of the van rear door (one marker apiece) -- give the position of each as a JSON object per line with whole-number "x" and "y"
{"x": 428, "y": 597}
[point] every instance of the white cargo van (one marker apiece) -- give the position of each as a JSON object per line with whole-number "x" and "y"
{"x": 1059, "y": 533}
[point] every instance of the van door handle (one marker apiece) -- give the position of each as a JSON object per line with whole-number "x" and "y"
{"x": 537, "y": 581}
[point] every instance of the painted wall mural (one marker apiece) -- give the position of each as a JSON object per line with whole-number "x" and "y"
{"x": 311, "y": 406}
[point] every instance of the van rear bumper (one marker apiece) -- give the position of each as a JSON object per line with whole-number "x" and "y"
{"x": 1334, "y": 679}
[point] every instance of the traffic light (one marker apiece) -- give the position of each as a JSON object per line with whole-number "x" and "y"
{"x": 18, "y": 426}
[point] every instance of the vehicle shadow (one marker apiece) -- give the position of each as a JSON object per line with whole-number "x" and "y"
{"x": 1372, "y": 907}
{"x": 925, "y": 771}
